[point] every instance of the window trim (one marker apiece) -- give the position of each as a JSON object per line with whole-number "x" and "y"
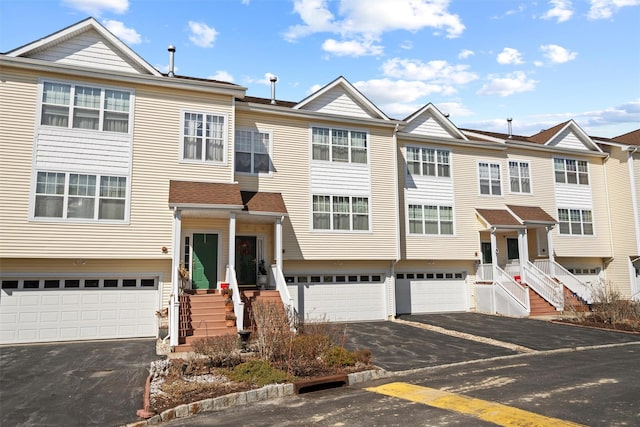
{"x": 349, "y": 145}
{"x": 225, "y": 138}
{"x": 72, "y": 107}
{"x": 500, "y": 180}
{"x": 519, "y": 177}
{"x": 436, "y": 163}
{"x": 270, "y": 151}
{"x": 95, "y": 219}
{"x": 331, "y": 212}
{"x": 565, "y": 171}
{"x": 569, "y": 223}
{"x": 423, "y": 220}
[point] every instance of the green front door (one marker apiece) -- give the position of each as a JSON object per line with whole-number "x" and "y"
{"x": 204, "y": 268}
{"x": 246, "y": 267}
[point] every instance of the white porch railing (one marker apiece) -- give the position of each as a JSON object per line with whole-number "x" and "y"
{"x": 484, "y": 273}
{"x": 517, "y": 291}
{"x": 544, "y": 285}
{"x": 174, "y": 315}
{"x": 575, "y": 285}
{"x": 238, "y": 305}
{"x": 277, "y": 277}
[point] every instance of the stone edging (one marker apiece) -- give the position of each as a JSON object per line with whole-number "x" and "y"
{"x": 271, "y": 391}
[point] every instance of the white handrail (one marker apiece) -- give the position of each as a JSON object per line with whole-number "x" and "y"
{"x": 544, "y": 285}
{"x": 283, "y": 290}
{"x": 574, "y": 284}
{"x": 238, "y": 305}
{"x": 517, "y": 291}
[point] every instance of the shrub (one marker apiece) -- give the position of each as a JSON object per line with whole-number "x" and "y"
{"x": 273, "y": 330}
{"x": 221, "y": 351}
{"x": 362, "y": 355}
{"x": 338, "y": 356}
{"x": 258, "y": 372}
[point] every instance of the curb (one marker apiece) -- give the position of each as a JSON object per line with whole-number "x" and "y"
{"x": 267, "y": 392}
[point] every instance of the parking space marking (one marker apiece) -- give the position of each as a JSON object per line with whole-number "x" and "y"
{"x": 493, "y": 412}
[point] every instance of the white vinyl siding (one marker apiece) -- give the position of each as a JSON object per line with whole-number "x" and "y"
{"x": 342, "y": 213}
{"x": 252, "y": 152}
{"x": 489, "y": 178}
{"x": 428, "y": 162}
{"x": 575, "y": 222}
{"x": 339, "y": 145}
{"x": 203, "y": 137}
{"x": 519, "y": 177}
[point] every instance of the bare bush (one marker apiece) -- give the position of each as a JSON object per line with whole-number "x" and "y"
{"x": 273, "y": 329}
{"x": 221, "y": 351}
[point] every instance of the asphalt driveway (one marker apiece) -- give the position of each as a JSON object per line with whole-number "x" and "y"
{"x": 98, "y": 383}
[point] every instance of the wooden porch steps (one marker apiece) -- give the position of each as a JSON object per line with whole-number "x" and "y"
{"x": 250, "y": 296}
{"x": 540, "y": 306}
{"x": 574, "y": 304}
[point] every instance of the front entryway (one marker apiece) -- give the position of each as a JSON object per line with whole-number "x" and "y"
{"x": 513, "y": 253}
{"x": 204, "y": 268}
{"x": 246, "y": 256}
{"x": 487, "y": 253}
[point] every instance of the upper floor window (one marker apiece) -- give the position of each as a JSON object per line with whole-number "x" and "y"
{"x": 430, "y": 219}
{"x": 428, "y": 162}
{"x": 339, "y": 145}
{"x": 575, "y": 221}
{"x": 85, "y": 107}
{"x": 203, "y": 137}
{"x": 340, "y": 213}
{"x": 571, "y": 171}
{"x": 252, "y": 151}
{"x": 489, "y": 175}
{"x": 80, "y": 196}
{"x": 519, "y": 177}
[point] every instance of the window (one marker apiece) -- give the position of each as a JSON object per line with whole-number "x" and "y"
{"x": 339, "y": 145}
{"x": 429, "y": 219}
{"x": 77, "y": 196}
{"x": 575, "y": 222}
{"x": 203, "y": 137}
{"x": 340, "y": 213}
{"x": 489, "y": 174}
{"x": 571, "y": 171}
{"x": 85, "y": 107}
{"x": 428, "y": 162}
{"x": 252, "y": 151}
{"x": 519, "y": 177}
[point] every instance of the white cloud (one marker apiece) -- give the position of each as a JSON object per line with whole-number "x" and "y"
{"x": 386, "y": 91}
{"x": 561, "y": 11}
{"x": 604, "y": 9}
{"x": 96, "y": 7}
{"x": 509, "y": 55}
{"x": 221, "y": 75}
{"x": 557, "y": 54}
{"x": 265, "y": 80}
{"x": 406, "y": 45}
{"x": 437, "y": 71}
{"x": 316, "y": 17}
{"x": 201, "y": 34}
{"x": 465, "y": 53}
{"x": 165, "y": 68}
{"x": 352, "y": 48}
{"x": 127, "y": 35}
{"x": 454, "y": 109}
{"x": 509, "y": 84}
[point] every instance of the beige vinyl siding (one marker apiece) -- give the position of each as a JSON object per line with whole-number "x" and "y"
{"x": 291, "y": 153}
{"x": 335, "y": 101}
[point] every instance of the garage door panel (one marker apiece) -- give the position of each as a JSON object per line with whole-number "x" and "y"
{"x": 430, "y": 296}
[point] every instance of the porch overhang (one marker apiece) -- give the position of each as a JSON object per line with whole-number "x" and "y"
{"x": 499, "y": 219}
{"x": 532, "y": 216}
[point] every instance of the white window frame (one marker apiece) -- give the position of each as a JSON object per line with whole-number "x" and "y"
{"x": 489, "y": 179}
{"x": 102, "y": 110}
{"x": 519, "y": 164}
{"x": 332, "y": 212}
{"x": 254, "y": 133}
{"x": 203, "y": 139}
{"x": 566, "y": 173}
{"x": 423, "y": 220}
{"x": 570, "y": 224}
{"x": 438, "y": 165}
{"x": 65, "y": 195}
{"x": 331, "y": 145}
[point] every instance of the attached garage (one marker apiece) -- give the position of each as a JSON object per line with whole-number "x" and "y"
{"x": 431, "y": 292}
{"x": 69, "y": 309}
{"x": 341, "y": 298}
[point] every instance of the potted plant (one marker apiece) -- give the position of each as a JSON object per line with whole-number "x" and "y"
{"x": 262, "y": 275}
{"x": 230, "y": 319}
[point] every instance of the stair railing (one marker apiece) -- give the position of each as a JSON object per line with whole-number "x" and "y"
{"x": 543, "y": 285}
{"x": 238, "y": 305}
{"x": 574, "y": 284}
{"x": 283, "y": 290}
{"x": 518, "y": 292}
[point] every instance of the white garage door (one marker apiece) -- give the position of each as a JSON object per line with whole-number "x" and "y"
{"x": 431, "y": 293}
{"x": 44, "y": 310}
{"x": 339, "y": 298}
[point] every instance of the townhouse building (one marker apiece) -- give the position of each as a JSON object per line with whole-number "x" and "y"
{"x": 123, "y": 189}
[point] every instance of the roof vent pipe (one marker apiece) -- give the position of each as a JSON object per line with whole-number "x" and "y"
{"x": 509, "y": 120}
{"x": 273, "y": 80}
{"x": 172, "y": 53}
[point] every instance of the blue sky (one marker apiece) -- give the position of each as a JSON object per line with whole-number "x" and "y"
{"x": 481, "y": 61}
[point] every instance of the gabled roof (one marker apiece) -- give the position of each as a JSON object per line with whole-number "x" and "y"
{"x": 38, "y": 47}
{"x": 418, "y": 123}
{"x": 204, "y": 194}
{"x": 500, "y": 218}
{"x": 531, "y": 214}
{"x": 557, "y": 135}
{"x": 630, "y": 138}
{"x": 338, "y": 94}
{"x": 263, "y": 202}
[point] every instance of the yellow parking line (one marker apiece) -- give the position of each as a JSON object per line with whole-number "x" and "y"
{"x": 493, "y": 412}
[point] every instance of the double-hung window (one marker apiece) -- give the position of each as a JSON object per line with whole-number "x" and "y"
{"x": 430, "y": 219}
{"x": 80, "y": 196}
{"x": 489, "y": 176}
{"x": 428, "y": 162}
{"x": 339, "y": 145}
{"x": 575, "y": 221}
{"x": 519, "y": 177}
{"x": 340, "y": 213}
{"x": 571, "y": 171}
{"x": 252, "y": 151}
{"x": 85, "y": 107}
{"x": 203, "y": 137}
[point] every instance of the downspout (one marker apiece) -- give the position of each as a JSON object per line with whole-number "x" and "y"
{"x": 174, "y": 301}
{"x": 606, "y": 192}
{"x": 634, "y": 197}
{"x": 392, "y": 282}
